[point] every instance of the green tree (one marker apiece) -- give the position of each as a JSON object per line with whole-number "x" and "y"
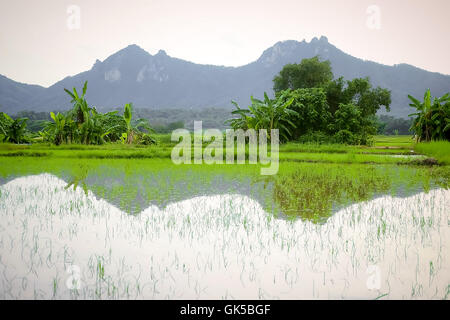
{"x": 135, "y": 129}
{"x": 311, "y": 107}
{"x": 85, "y": 125}
{"x": 12, "y": 130}
{"x": 267, "y": 114}
{"x": 388, "y": 125}
{"x": 359, "y": 92}
{"x": 127, "y": 116}
{"x": 350, "y": 126}
{"x": 432, "y": 121}
{"x": 309, "y": 73}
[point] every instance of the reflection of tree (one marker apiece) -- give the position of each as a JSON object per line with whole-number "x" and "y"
{"x": 311, "y": 193}
{"x": 79, "y": 175}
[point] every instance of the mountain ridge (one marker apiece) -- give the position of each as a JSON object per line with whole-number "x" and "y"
{"x": 161, "y": 81}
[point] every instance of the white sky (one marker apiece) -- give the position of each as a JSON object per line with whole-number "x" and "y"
{"x": 36, "y": 45}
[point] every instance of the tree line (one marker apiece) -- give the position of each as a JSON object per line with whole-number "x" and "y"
{"x": 311, "y": 106}
{"x": 82, "y": 124}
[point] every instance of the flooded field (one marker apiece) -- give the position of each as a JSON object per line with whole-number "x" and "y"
{"x": 82, "y": 231}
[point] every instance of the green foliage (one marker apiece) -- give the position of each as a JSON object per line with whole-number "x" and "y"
{"x": 316, "y": 137}
{"x": 36, "y": 120}
{"x": 309, "y": 73}
{"x": 134, "y": 130}
{"x": 13, "y": 130}
{"x": 85, "y": 125}
{"x": 127, "y": 115}
{"x": 392, "y": 126}
{"x": 358, "y": 91}
{"x": 432, "y": 121}
{"x": 268, "y": 114}
{"x": 317, "y": 106}
{"x": 145, "y": 139}
{"x": 440, "y": 150}
{"x": 350, "y": 126}
{"x": 345, "y": 137}
{"x": 347, "y": 121}
{"x": 171, "y": 126}
{"x": 325, "y": 187}
{"x": 311, "y": 107}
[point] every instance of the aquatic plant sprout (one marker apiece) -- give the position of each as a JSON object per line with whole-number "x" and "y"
{"x": 61, "y": 243}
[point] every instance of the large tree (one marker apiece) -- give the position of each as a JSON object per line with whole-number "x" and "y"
{"x": 311, "y": 107}
{"x": 359, "y": 92}
{"x": 309, "y": 73}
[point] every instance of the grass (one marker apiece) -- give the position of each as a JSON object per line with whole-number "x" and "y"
{"x": 440, "y": 150}
{"x": 346, "y": 158}
{"x": 288, "y": 152}
{"x": 401, "y": 141}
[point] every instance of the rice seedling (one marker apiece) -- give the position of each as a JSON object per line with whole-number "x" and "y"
{"x": 213, "y": 246}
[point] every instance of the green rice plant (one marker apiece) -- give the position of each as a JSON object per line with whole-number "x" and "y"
{"x": 439, "y": 150}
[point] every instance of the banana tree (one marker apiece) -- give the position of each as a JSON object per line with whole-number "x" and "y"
{"x": 13, "y": 130}
{"x": 133, "y": 128}
{"x": 242, "y": 121}
{"x": 58, "y": 127}
{"x": 80, "y": 107}
{"x": 127, "y": 116}
{"x": 432, "y": 120}
{"x": 268, "y": 114}
{"x": 5, "y": 122}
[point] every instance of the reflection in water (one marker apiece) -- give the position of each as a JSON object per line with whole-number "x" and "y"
{"x": 223, "y": 246}
{"x": 311, "y": 195}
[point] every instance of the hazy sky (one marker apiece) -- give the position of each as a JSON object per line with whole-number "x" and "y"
{"x": 41, "y": 42}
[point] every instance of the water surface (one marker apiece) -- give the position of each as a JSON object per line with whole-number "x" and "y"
{"x": 217, "y": 246}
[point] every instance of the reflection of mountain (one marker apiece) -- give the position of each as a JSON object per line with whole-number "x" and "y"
{"x": 161, "y": 81}
{"x": 282, "y": 195}
{"x": 213, "y": 247}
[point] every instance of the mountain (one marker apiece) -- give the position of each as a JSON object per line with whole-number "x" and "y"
{"x": 161, "y": 81}
{"x": 16, "y": 96}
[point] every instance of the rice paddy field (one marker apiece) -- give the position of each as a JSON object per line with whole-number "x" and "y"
{"x": 124, "y": 222}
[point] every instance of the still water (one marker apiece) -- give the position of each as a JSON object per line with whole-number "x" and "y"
{"x": 58, "y": 242}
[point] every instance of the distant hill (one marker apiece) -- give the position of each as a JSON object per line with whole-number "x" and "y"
{"x": 16, "y": 96}
{"x": 160, "y": 81}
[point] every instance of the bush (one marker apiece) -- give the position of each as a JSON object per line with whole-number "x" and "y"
{"x": 346, "y": 137}
{"x": 317, "y": 137}
{"x": 145, "y": 139}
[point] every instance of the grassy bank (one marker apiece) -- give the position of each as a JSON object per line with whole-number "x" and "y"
{"x": 440, "y": 150}
{"x": 387, "y": 150}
